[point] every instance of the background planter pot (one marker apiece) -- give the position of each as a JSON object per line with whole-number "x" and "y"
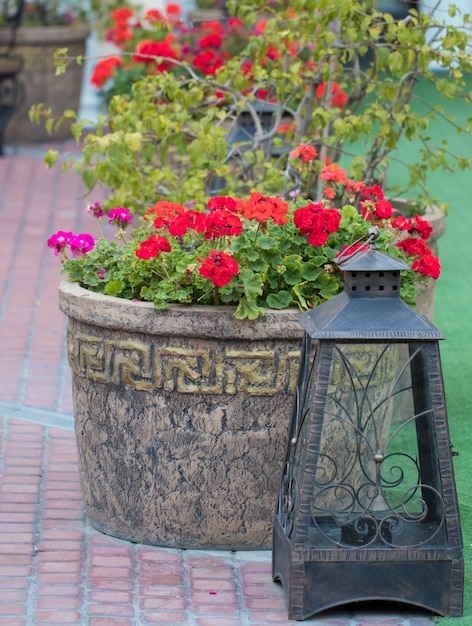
{"x": 39, "y": 84}
{"x": 181, "y": 418}
{"x": 437, "y": 219}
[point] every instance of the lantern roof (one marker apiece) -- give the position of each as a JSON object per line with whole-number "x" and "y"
{"x": 344, "y": 317}
{"x": 370, "y": 259}
{"x": 370, "y": 306}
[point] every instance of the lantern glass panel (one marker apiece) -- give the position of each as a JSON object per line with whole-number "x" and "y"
{"x": 375, "y": 479}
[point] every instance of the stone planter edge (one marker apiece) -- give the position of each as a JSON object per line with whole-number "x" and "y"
{"x": 99, "y": 309}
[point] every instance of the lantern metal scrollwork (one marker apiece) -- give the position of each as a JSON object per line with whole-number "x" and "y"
{"x": 367, "y": 508}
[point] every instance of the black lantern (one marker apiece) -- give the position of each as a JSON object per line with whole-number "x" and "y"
{"x": 241, "y": 139}
{"x": 367, "y": 508}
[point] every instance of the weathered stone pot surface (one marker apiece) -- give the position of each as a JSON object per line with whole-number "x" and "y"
{"x": 181, "y": 418}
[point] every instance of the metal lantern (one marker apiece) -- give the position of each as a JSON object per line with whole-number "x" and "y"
{"x": 240, "y": 139}
{"x": 367, "y": 508}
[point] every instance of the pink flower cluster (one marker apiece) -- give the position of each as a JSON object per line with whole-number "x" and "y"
{"x": 79, "y": 245}
{"x": 62, "y": 242}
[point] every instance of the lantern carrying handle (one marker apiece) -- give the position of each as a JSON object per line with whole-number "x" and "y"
{"x": 353, "y": 249}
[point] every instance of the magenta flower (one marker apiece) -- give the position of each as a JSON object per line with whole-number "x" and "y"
{"x": 59, "y": 241}
{"x": 120, "y": 217}
{"x": 81, "y": 244}
{"x": 95, "y": 210}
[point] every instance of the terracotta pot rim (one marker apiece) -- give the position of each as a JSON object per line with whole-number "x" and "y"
{"x": 178, "y": 320}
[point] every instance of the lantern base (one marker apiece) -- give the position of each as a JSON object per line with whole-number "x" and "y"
{"x": 317, "y": 580}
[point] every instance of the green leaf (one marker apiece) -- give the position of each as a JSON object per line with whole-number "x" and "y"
{"x": 266, "y": 243}
{"x": 90, "y": 178}
{"x": 114, "y": 288}
{"x": 280, "y": 300}
{"x": 50, "y": 158}
{"x": 252, "y": 284}
{"x": 248, "y": 310}
{"x": 312, "y": 269}
{"x": 293, "y": 270}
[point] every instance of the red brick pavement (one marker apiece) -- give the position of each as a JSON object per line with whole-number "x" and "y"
{"x": 55, "y": 568}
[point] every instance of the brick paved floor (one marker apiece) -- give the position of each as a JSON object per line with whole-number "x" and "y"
{"x": 54, "y": 567}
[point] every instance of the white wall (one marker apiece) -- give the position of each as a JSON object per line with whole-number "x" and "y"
{"x": 465, "y": 6}
{"x": 186, "y": 5}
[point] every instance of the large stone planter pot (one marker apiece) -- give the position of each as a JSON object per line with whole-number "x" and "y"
{"x": 39, "y": 83}
{"x": 182, "y": 415}
{"x": 181, "y": 418}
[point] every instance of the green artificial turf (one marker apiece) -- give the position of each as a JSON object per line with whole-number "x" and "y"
{"x": 453, "y": 317}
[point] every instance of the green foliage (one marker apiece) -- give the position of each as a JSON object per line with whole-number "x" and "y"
{"x": 335, "y": 78}
{"x": 166, "y": 135}
{"x": 276, "y": 266}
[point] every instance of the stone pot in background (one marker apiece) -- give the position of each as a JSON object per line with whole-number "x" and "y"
{"x": 205, "y": 15}
{"x": 181, "y": 418}
{"x": 437, "y": 219}
{"x": 38, "y": 80}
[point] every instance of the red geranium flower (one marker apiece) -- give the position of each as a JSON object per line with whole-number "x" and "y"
{"x": 354, "y": 186}
{"x": 383, "y": 210}
{"x": 213, "y": 40}
{"x": 219, "y": 267}
{"x": 121, "y": 15}
{"x": 333, "y": 173}
{"x": 104, "y": 70}
{"x": 152, "y": 247}
{"x": 339, "y": 99}
{"x": 330, "y": 193}
{"x": 207, "y": 62}
{"x": 163, "y": 212}
{"x": 338, "y": 95}
{"x": 148, "y": 50}
{"x": 427, "y": 265}
{"x": 414, "y": 246}
{"x": 182, "y": 222}
{"x": 153, "y": 15}
{"x": 304, "y": 152}
{"x": 317, "y": 222}
{"x": 376, "y": 211}
{"x": 222, "y": 223}
{"x": 223, "y": 202}
{"x": 213, "y": 26}
{"x": 402, "y": 223}
{"x": 119, "y": 34}
{"x": 373, "y": 193}
{"x": 262, "y": 208}
{"x": 173, "y": 9}
{"x": 421, "y": 226}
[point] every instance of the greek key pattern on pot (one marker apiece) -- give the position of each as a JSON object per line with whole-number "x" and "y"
{"x": 143, "y": 366}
